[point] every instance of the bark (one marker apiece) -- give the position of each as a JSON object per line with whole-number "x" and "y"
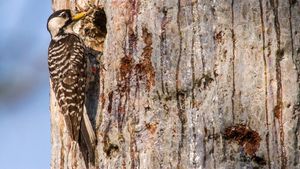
{"x": 190, "y": 84}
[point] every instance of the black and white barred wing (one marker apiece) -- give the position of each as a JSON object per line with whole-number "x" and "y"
{"x": 67, "y": 66}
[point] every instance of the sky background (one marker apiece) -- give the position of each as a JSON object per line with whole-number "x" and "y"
{"x": 24, "y": 88}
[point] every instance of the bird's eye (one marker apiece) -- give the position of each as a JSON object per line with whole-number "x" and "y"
{"x": 64, "y": 15}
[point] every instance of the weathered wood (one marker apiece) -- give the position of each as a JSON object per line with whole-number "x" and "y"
{"x": 191, "y": 84}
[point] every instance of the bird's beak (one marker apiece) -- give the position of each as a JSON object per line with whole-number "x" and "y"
{"x": 79, "y": 16}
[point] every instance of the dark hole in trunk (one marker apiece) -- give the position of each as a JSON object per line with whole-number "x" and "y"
{"x": 100, "y": 21}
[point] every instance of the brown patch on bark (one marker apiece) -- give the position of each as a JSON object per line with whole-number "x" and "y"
{"x": 109, "y": 148}
{"x": 245, "y": 137}
{"x": 151, "y": 127}
{"x": 219, "y": 37}
{"x": 110, "y": 100}
{"x": 102, "y": 99}
{"x": 126, "y": 67}
{"x": 147, "y": 38}
{"x": 124, "y": 79}
{"x": 277, "y": 111}
{"x": 144, "y": 68}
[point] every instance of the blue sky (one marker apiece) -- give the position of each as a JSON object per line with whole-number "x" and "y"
{"x": 24, "y": 89}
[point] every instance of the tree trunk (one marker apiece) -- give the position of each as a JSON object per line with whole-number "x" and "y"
{"x": 190, "y": 84}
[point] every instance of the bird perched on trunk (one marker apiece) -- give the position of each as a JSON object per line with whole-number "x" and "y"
{"x": 67, "y": 66}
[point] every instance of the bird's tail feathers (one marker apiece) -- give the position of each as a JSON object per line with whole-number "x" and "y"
{"x": 88, "y": 135}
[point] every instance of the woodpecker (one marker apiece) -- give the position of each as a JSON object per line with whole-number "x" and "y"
{"x": 67, "y": 62}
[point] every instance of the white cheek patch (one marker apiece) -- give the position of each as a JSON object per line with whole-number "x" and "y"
{"x": 55, "y": 24}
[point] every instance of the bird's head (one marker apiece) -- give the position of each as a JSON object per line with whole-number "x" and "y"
{"x": 61, "y": 21}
